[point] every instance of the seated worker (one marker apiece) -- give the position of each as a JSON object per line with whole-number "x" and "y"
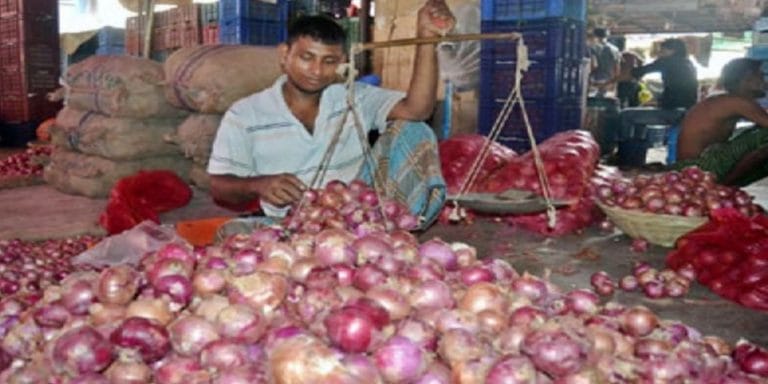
{"x": 270, "y": 144}
{"x": 705, "y": 134}
{"x": 627, "y": 86}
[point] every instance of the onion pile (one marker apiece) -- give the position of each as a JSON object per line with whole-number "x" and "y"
{"x": 654, "y": 284}
{"x": 355, "y": 207}
{"x": 690, "y": 192}
{"x": 338, "y": 307}
{"x": 27, "y": 163}
{"x": 29, "y": 267}
{"x": 727, "y": 254}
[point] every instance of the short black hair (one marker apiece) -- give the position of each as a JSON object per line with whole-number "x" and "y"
{"x": 677, "y": 46}
{"x": 601, "y": 33}
{"x": 319, "y": 28}
{"x": 737, "y": 70}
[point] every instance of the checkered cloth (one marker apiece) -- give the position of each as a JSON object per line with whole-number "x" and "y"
{"x": 722, "y": 157}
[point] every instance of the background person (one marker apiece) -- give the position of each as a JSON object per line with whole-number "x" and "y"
{"x": 706, "y": 132}
{"x": 605, "y": 61}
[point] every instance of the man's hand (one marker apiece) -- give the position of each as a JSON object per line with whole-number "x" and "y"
{"x": 280, "y": 190}
{"x": 434, "y": 19}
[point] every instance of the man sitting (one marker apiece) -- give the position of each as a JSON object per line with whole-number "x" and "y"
{"x": 706, "y": 131}
{"x": 271, "y": 144}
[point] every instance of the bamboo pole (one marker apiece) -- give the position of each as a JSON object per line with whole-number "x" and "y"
{"x": 437, "y": 39}
{"x": 149, "y": 7}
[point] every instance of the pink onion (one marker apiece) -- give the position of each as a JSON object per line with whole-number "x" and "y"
{"x": 396, "y": 305}
{"x": 334, "y": 246}
{"x": 370, "y": 248}
{"x": 362, "y": 369}
{"x": 554, "y": 353}
{"x": 476, "y": 274}
{"x": 420, "y": 333}
{"x": 190, "y": 334}
{"x": 512, "y": 370}
{"x": 436, "y": 373}
{"x": 176, "y": 287}
{"x": 369, "y": 276}
{"x": 440, "y": 252}
{"x": 180, "y": 370}
{"x": 531, "y": 287}
{"x": 582, "y": 301}
{"x": 431, "y": 294}
{"x": 128, "y": 372}
{"x": 53, "y": 315}
{"x": 82, "y": 350}
{"x": 117, "y": 285}
{"x": 484, "y": 296}
{"x": 208, "y": 282}
{"x": 638, "y": 322}
{"x": 241, "y": 323}
{"x": 78, "y": 294}
{"x": 351, "y": 329}
{"x": 223, "y": 355}
{"x": 400, "y": 360}
{"x": 628, "y": 283}
{"x": 148, "y": 339}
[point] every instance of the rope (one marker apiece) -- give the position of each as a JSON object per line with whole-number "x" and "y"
{"x": 515, "y": 96}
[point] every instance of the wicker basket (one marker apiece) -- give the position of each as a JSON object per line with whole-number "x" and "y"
{"x": 661, "y": 230}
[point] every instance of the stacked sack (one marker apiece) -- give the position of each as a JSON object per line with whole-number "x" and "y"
{"x": 113, "y": 126}
{"x": 208, "y": 79}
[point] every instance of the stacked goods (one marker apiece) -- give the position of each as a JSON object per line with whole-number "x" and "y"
{"x": 336, "y": 307}
{"x": 253, "y": 22}
{"x": 729, "y": 255}
{"x": 208, "y": 80}
{"x": 569, "y": 161}
{"x": 113, "y": 126}
{"x": 459, "y": 153}
{"x": 26, "y": 168}
{"x": 172, "y": 29}
{"x": 195, "y": 137}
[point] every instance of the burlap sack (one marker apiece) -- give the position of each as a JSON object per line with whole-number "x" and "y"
{"x": 198, "y": 176}
{"x": 113, "y": 137}
{"x": 209, "y": 78}
{"x": 195, "y": 136}
{"x": 119, "y": 86}
{"x": 93, "y": 176}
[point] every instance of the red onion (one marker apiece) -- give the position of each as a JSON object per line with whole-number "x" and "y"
{"x": 440, "y": 252}
{"x": 628, "y": 283}
{"x": 458, "y": 345}
{"x": 425, "y": 271}
{"x": 530, "y": 287}
{"x": 190, "y": 334}
{"x": 639, "y": 245}
{"x": 180, "y": 370}
{"x": 475, "y": 274}
{"x": 81, "y": 350}
{"x": 148, "y": 339}
{"x": 351, "y": 329}
{"x": 362, "y": 369}
{"x": 53, "y": 315}
{"x": 177, "y": 288}
{"x": 652, "y": 348}
{"x": 334, "y": 246}
{"x": 260, "y": 290}
{"x": 582, "y": 301}
{"x": 86, "y": 378}
{"x": 638, "y": 321}
{"x": 420, "y": 333}
{"x": 153, "y": 309}
{"x": 512, "y": 370}
{"x": 431, "y": 294}
{"x": 400, "y": 360}
{"x": 370, "y": 248}
{"x": 554, "y": 353}
{"x": 674, "y": 288}
{"x": 117, "y": 285}
{"x": 245, "y": 261}
{"x": 208, "y": 282}
{"x": 653, "y": 289}
{"x": 168, "y": 267}
{"x": 128, "y": 372}
{"x": 241, "y": 323}
{"x": 369, "y": 276}
{"x": 484, "y": 296}
{"x": 175, "y": 251}
{"x": 602, "y": 283}
{"x": 752, "y": 359}
{"x": 78, "y": 293}
{"x": 436, "y": 373}
{"x": 392, "y": 301}
{"x": 223, "y": 355}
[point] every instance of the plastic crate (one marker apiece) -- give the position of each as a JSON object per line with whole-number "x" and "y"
{"x": 209, "y": 14}
{"x": 252, "y": 32}
{"x": 109, "y": 36}
{"x": 184, "y": 14}
{"x": 544, "y": 79}
{"x": 210, "y": 34}
{"x": 506, "y": 10}
{"x": 253, "y": 22}
{"x": 547, "y": 117}
{"x": 545, "y": 39}
{"x": 253, "y": 10}
{"x": 758, "y": 52}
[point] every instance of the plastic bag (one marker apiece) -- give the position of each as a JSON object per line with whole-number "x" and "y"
{"x": 130, "y": 246}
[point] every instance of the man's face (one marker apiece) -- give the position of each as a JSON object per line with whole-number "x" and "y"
{"x": 311, "y": 65}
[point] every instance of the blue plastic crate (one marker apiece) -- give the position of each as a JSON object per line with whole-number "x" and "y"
{"x": 209, "y": 14}
{"x": 758, "y": 52}
{"x": 547, "y": 117}
{"x": 110, "y": 50}
{"x": 253, "y": 10}
{"x": 546, "y": 39}
{"x": 252, "y": 32}
{"x": 506, "y": 10}
{"x": 109, "y": 36}
{"x": 544, "y": 79}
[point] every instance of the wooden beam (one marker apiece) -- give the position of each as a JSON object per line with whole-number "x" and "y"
{"x": 149, "y": 8}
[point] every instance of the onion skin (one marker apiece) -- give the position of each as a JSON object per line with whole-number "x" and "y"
{"x": 638, "y": 322}
{"x": 82, "y": 350}
{"x": 190, "y": 334}
{"x": 117, "y": 285}
{"x": 150, "y": 340}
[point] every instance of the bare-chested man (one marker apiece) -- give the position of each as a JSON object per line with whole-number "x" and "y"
{"x": 705, "y": 133}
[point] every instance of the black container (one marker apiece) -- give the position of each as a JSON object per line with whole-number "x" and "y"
{"x": 17, "y": 134}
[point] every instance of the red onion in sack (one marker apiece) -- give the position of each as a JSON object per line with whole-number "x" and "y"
{"x": 148, "y": 339}
{"x": 400, "y": 360}
{"x": 81, "y": 350}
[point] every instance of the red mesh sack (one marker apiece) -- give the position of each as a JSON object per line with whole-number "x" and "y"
{"x": 458, "y": 153}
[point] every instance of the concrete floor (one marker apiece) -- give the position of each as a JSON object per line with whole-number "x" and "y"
{"x": 571, "y": 260}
